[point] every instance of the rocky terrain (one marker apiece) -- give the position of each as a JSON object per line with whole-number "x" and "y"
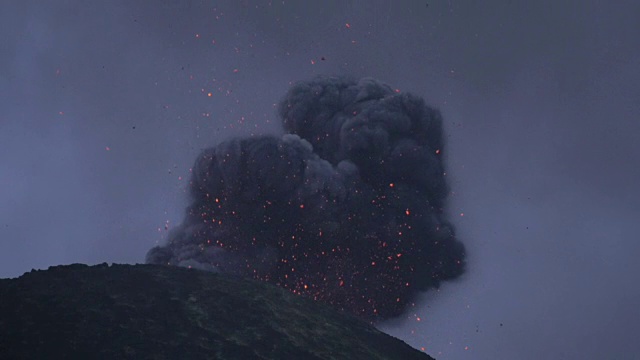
{"x": 160, "y": 312}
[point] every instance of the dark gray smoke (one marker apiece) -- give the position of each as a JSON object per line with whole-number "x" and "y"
{"x": 346, "y": 208}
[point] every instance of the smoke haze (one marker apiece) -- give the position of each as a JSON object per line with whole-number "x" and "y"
{"x": 346, "y": 208}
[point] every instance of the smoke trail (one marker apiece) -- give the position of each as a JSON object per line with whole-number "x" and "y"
{"x": 346, "y": 208}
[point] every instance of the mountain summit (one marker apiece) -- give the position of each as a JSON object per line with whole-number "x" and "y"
{"x": 166, "y": 312}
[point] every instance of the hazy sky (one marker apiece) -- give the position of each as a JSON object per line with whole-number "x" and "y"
{"x": 104, "y": 106}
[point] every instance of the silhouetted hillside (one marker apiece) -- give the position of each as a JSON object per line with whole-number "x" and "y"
{"x": 161, "y": 312}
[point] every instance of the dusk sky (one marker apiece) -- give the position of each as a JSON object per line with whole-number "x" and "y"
{"x": 105, "y": 105}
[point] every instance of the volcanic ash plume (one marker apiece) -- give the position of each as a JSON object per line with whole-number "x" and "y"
{"x": 345, "y": 208}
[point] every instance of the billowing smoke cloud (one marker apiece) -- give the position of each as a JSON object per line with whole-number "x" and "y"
{"x": 346, "y": 208}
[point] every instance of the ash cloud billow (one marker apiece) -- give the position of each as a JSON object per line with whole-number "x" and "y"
{"x": 345, "y": 208}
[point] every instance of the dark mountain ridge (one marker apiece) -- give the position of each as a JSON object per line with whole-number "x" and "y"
{"x": 162, "y": 312}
